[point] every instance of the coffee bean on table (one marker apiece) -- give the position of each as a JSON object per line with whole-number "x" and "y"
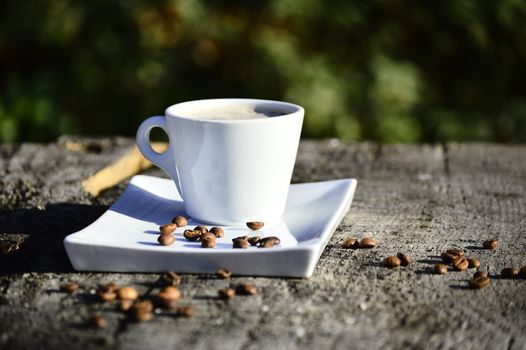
{"x": 522, "y": 272}
{"x": 106, "y": 296}
{"x": 166, "y": 240}
{"x": 461, "y": 264}
{"x": 350, "y": 243}
{"x": 269, "y": 242}
{"x": 404, "y": 259}
{"x": 167, "y": 229}
{"x": 141, "y": 311}
{"x": 246, "y": 289}
{"x": 186, "y": 311}
{"x": 192, "y": 235}
{"x": 440, "y": 269}
{"x": 171, "y": 278}
{"x": 490, "y": 244}
{"x": 202, "y": 229}
{"x": 391, "y": 262}
{"x": 208, "y": 240}
{"x": 509, "y": 272}
{"x": 480, "y": 274}
{"x": 223, "y": 273}
{"x": 254, "y": 240}
{"x": 125, "y": 305}
{"x": 180, "y": 221}
{"x": 167, "y": 298}
{"x": 127, "y": 293}
{"x": 98, "y": 321}
{"x": 255, "y": 225}
{"x": 473, "y": 262}
{"x": 226, "y": 293}
{"x": 217, "y": 231}
{"x": 479, "y": 282}
{"x": 367, "y": 243}
{"x": 69, "y": 287}
{"x": 457, "y": 252}
{"x": 449, "y": 258}
{"x": 109, "y": 287}
{"x": 240, "y": 242}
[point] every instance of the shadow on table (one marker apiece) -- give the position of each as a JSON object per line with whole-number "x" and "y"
{"x": 40, "y": 234}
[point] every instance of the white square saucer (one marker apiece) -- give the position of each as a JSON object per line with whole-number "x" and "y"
{"x": 124, "y": 238}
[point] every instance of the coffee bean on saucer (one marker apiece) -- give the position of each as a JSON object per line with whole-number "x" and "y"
{"x": 269, "y": 242}
{"x": 473, "y": 262}
{"x": 461, "y": 265}
{"x": 490, "y": 244}
{"x": 208, "y": 240}
{"x": 404, "y": 259}
{"x": 98, "y": 322}
{"x": 180, "y": 221}
{"x": 202, "y": 229}
{"x": 479, "y": 282}
{"x": 246, "y": 289}
{"x": 240, "y": 242}
{"x": 69, "y": 287}
{"x": 254, "y": 240}
{"x": 509, "y": 272}
{"x": 226, "y": 293}
{"x": 167, "y": 229}
{"x": 391, "y": 262}
{"x": 217, "y": 231}
{"x": 255, "y": 225}
{"x": 480, "y": 274}
{"x": 350, "y": 243}
{"x": 166, "y": 240}
{"x": 192, "y": 235}
{"x": 223, "y": 273}
{"x": 367, "y": 243}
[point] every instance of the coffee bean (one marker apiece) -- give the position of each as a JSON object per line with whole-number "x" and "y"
{"x": 457, "y": 252}
{"x": 350, "y": 243}
{"x": 186, "y": 311}
{"x": 240, "y": 242}
{"x": 171, "y": 278}
{"x": 391, "y": 261}
{"x": 450, "y": 258}
{"x": 141, "y": 311}
{"x": 180, "y": 221}
{"x": 192, "y": 235}
{"x": 202, "y": 229}
{"x": 217, "y": 231}
{"x": 254, "y": 240}
{"x": 246, "y": 289}
{"x": 479, "y": 282}
{"x": 109, "y": 287}
{"x": 145, "y": 305}
{"x": 208, "y": 240}
{"x": 440, "y": 269}
{"x": 269, "y": 242}
{"x": 98, "y": 322}
{"x": 127, "y": 293}
{"x": 509, "y": 272}
{"x": 404, "y": 259}
{"x": 167, "y": 229}
{"x": 491, "y": 244}
{"x": 10, "y": 247}
{"x": 106, "y": 296}
{"x": 522, "y": 272}
{"x": 473, "y": 262}
{"x": 367, "y": 243}
{"x": 480, "y": 274}
{"x": 166, "y": 240}
{"x": 223, "y": 273}
{"x": 125, "y": 305}
{"x": 167, "y": 298}
{"x": 255, "y": 225}
{"x": 69, "y": 287}
{"x": 226, "y": 293}
{"x": 461, "y": 264}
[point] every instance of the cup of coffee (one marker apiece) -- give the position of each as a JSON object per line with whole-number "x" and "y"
{"x": 230, "y": 159}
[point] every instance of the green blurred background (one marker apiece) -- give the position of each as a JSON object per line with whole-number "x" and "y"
{"x": 390, "y": 71}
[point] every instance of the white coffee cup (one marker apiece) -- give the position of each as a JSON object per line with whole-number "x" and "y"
{"x": 228, "y": 172}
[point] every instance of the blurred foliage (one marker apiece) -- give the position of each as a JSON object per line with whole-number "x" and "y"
{"x": 379, "y": 70}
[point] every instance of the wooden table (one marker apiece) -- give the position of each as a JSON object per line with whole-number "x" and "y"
{"x": 415, "y": 199}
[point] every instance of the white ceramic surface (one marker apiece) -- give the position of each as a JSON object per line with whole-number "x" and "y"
{"x": 228, "y": 171}
{"x": 124, "y": 238}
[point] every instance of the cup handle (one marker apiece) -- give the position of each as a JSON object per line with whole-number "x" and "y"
{"x": 164, "y": 160}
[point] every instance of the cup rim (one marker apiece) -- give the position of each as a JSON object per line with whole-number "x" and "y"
{"x": 172, "y": 111}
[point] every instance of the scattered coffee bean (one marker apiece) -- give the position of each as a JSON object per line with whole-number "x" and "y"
{"x": 69, "y": 287}
{"x": 240, "y": 242}
{"x": 171, "y": 278}
{"x": 255, "y": 225}
{"x": 186, "y": 311}
{"x": 223, "y": 273}
{"x": 457, "y": 252}
{"x": 201, "y": 229}
{"x": 166, "y": 240}
{"x": 491, "y": 244}
{"x": 404, "y": 259}
{"x": 167, "y": 229}
{"x": 10, "y": 247}
{"x": 98, "y": 322}
{"x": 350, "y": 243}
{"x": 141, "y": 311}
{"x": 509, "y": 272}
{"x": 461, "y": 264}
{"x": 440, "y": 269}
{"x": 208, "y": 240}
{"x": 254, "y": 240}
{"x": 367, "y": 243}
{"x": 473, "y": 262}
{"x": 480, "y": 274}
{"x": 168, "y": 297}
{"x": 192, "y": 235}
{"x": 125, "y": 305}
{"x": 145, "y": 305}
{"x": 218, "y": 232}
{"x": 479, "y": 282}
{"x": 180, "y": 221}
{"x": 450, "y": 258}
{"x": 106, "y": 296}
{"x": 269, "y": 242}
{"x": 127, "y": 293}
{"x": 226, "y": 293}
{"x": 522, "y": 272}
{"x": 391, "y": 261}
{"x": 246, "y": 289}
{"x": 109, "y": 287}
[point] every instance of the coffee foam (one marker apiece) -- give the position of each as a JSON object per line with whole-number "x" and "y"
{"x": 233, "y": 112}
